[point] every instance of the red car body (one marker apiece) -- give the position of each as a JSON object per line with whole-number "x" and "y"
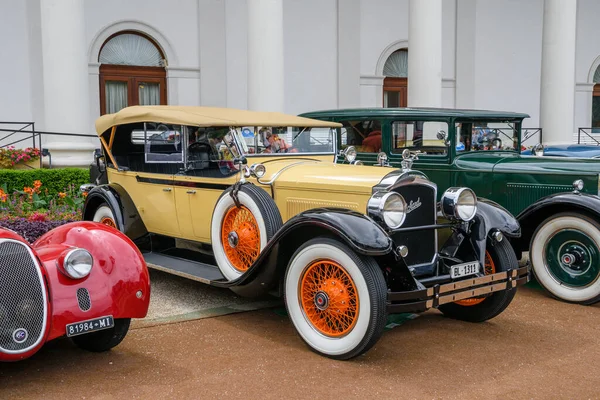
{"x": 118, "y": 284}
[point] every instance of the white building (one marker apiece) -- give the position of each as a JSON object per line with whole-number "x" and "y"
{"x": 67, "y": 61}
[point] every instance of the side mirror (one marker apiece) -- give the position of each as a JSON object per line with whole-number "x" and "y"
{"x": 538, "y": 150}
{"x": 441, "y": 135}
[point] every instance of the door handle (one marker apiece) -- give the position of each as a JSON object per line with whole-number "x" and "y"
{"x": 191, "y": 192}
{"x": 167, "y": 189}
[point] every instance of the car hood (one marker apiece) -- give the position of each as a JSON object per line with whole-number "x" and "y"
{"x": 516, "y": 163}
{"x": 326, "y": 176}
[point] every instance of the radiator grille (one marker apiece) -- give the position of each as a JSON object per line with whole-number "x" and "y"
{"x": 83, "y": 298}
{"x": 421, "y": 201}
{"x": 22, "y": 298}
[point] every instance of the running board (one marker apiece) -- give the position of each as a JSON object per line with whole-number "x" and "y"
{"x": 185, "y": 268}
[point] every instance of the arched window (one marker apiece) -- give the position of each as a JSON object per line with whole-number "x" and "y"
{"x": 596, "y": 100}
{"x": 131, "y": 72}
{"x": 395, "y": 84}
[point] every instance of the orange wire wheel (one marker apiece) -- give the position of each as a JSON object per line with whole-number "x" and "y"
{"x": 490, "y": 268}
{"x": 240, "y": 236}
{"x": 328, "y": 298}
{"x": 108, "y": 221}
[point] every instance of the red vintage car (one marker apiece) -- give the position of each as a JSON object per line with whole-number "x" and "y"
{"x": 83, "y": 280}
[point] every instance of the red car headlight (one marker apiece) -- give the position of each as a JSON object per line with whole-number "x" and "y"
{"x": 76, "y": 263}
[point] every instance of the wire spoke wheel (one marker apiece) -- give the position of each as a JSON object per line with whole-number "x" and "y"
{"x": 489, "y": 269}
{"x": 329, "y": 298}
{"x": 240, "y": 236}
{"x": 109, "y": 222}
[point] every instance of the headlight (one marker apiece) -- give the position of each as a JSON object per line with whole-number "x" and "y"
{"x": 258, "y": 170}
{"x": 578, "y": 185}
{"x": 387, "y": 207}
{"x": 350, "y": 154}
{"x": 77, "y": 263}
{"x": 459, "y": 203}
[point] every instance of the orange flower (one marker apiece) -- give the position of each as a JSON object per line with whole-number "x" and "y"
{"x": 84, "y": 194}
{"x": 29, "y": 191}
{"x": 3, "y": 196}
{"x": 62, "y": 195}
{"x": 37, "y": 184}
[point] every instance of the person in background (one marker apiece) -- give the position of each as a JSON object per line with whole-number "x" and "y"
{"x": 372, "y": 143}
{"x": 273, "y": 143}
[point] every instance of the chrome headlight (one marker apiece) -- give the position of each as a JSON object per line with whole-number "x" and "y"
{"x": 350, "y": 154}
{"x": 578, "y": 185}
{"x": 459, "y": 203}
{"x": 258, "y": 170}
{"x": 387, "y": 207}
{"x": 77, "y": 263}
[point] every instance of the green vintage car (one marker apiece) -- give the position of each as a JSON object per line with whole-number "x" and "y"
{"x": 555, "y": 199}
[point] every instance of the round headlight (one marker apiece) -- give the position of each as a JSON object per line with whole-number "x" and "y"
{"x": 258, "y": 170}
{"x": 459, "y": 203}
{"x": 387, "y": 207}
{"x": 350, "y": 154}
{"x": 382, "y": 158}
{"x": 78, "y": 263}
{"x": 578, "y": 185}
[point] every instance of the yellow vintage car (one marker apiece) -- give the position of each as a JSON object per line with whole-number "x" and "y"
{"x": 252, "y": 201}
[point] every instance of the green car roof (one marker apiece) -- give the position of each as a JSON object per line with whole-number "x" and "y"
{"x": 415, "y": 112}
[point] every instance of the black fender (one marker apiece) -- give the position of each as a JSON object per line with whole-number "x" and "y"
{"x": 359, "y": 232}
{"x": 536, "y": 213}
{"x": 491, "y": 216}
{"x": 115, "y": 196}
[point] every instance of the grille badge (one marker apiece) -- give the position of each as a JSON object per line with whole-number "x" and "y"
{"x": 20, "y": 335}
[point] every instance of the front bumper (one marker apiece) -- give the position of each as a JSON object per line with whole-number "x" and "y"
{"x": 432, "y": 297}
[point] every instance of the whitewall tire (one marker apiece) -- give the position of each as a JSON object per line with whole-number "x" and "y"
{"x": 565, "y": 257}
{"x": 239, "y": 234}
{"x": 105, "y": 216}
{"x": 339, "y": 310}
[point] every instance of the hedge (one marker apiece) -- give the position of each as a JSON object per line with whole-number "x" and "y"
{"x": 55, "y": 180}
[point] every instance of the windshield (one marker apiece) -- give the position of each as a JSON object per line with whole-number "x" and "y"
{"x": 253, "y": 140}
{"x": 487, "y": 135}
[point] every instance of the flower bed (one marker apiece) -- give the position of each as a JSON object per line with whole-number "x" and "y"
{"x": 33, "y": 211}
{"x": 11, "y": 157}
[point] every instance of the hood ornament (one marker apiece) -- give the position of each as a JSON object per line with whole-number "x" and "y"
{"x": 408, "y": 158}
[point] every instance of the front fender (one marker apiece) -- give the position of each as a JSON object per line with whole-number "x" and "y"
{"x": 535, "y": 214}
{"x": 127, "y": 218}
{"x": 491, "y": 216}
{"x": 356, "y": 230}
{"x": 118, "y": 274}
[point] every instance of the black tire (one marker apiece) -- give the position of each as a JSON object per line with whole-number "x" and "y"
{"x": 263, "y": 209}
{"x": 368, "y": 290}
{"x": 504, "y": 258}
{"x": 104, "y": 340}
{"x": 578, "y": 282}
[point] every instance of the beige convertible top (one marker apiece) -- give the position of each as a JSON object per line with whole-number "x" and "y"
{"x": 204, "y": 116}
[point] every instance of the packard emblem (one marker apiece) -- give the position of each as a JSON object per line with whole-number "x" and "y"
{"x": 413, "y": 205}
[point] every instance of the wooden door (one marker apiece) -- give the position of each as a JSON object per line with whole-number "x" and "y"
{"x": 395, "y": 92}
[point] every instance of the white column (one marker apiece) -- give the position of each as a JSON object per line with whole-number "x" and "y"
{"x": 425, "y": 53}
{"x": 558, "y": 71}
{"x": 265, "y": 55}
{"x": 66, "y": 85}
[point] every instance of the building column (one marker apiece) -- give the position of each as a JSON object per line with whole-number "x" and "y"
{"x": 265, "y": 55}
{"x": 66, "y": 84}
{"x": 425, "y": 53}
{"x": 558, "y": 71}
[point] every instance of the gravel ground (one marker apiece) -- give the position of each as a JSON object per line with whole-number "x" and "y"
{"x": 539, "y": 348}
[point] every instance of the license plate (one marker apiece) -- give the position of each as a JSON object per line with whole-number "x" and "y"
{"x": 91, "y": 325}
{"x": 465, "y": 269}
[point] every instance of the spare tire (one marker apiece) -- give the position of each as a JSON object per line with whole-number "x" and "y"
{"x": 240, "y": 233}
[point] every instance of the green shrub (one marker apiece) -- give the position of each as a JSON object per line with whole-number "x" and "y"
{"x": 55, "y": 180}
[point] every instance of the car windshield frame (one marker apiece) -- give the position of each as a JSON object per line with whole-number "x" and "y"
{"x": 258, "y": 134}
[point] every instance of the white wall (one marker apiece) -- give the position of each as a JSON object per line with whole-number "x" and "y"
{"x": 310, "y": 53}
{"x": 587, "y": 58}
